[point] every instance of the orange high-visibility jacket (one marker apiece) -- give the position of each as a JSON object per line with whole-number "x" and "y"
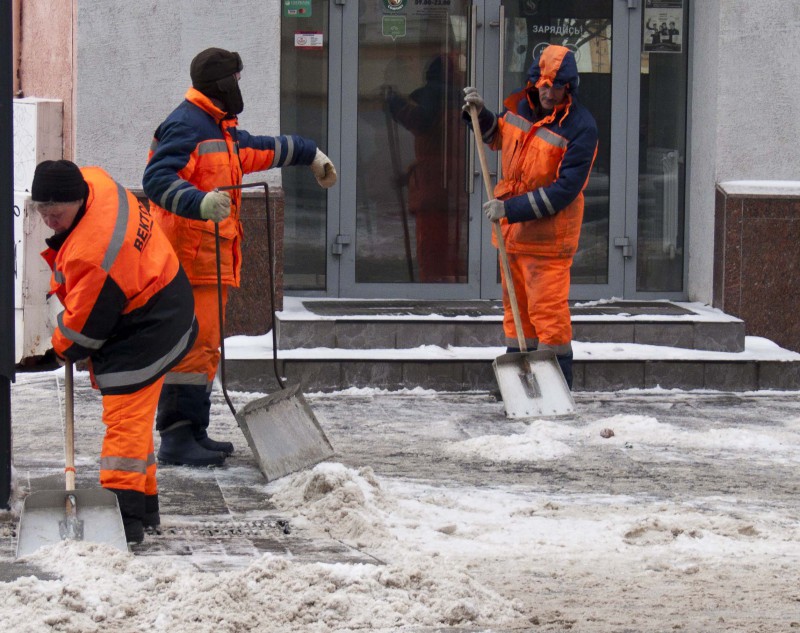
{"x": 546, "y": 162}
{"x": 128, "y": 305}
{"x": 195, "y": 150}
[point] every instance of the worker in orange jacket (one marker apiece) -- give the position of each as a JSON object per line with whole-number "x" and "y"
{"x": 127, "y": 309}
{"x": 195, "y": 150}
{"x": 548, "y": 142}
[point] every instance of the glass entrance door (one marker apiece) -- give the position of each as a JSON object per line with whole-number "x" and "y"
{"x": 411, "y": 232}
{"x": 405, "y": 220}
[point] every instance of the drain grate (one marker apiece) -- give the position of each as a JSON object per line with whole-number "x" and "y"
{"x": 451, "y": 309}
{"x": 632, "y": 308}
{"x": 227, "y": 529}
{"x": 405, "y": 308}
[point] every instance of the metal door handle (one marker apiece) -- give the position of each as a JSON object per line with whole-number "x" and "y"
{"x": 625, "y": 244}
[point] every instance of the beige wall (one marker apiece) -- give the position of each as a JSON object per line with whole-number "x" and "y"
{"x": 46, "y": 63}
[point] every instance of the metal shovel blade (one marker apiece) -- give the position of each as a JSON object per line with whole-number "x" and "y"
{"x": 532, "y": 384}
{"x": 283, "y": 433}
{"x": 45, "y": 519}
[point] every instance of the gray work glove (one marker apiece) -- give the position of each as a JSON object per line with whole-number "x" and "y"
{"x": 215, "y": 206}
{"x": 494, "y": 210}
{"x": 472, "y": 98}
{"x": 323, "y": 170}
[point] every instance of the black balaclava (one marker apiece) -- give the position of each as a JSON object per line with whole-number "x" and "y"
{"x": 213, "y": 73}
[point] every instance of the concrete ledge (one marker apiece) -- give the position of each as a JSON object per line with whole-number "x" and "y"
{"x": 477, "y": 375}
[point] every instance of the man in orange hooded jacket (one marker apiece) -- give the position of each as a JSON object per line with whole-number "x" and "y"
{"x": 548, "y": 142}
{"x": 127, "y": 308}
{"x": 197, "y": 149}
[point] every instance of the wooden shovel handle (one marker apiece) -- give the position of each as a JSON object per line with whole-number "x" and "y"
{"x": 487, "y": 183}
{"x": 69, "y": 426}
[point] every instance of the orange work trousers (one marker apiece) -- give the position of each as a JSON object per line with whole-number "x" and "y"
{"x": 127, "y": 459}
{"x": 541, "y": 285}
{"x": 199, "y": 366}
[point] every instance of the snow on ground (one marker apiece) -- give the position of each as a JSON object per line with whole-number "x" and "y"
{"x": 684, "y": 517}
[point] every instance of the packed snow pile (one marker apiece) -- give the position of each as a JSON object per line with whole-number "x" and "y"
{"x": 348, "y": 504}
{"x": 101, "y": 589}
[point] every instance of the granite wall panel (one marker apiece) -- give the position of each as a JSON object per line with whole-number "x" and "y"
{"x": 757, "y": 263}
{"x": 249, "y": 306}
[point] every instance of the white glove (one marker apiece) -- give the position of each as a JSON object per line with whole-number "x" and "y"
{"x": 494, "y": 210}
{"x": 215, "y": 206}
{"x": 472, "y": 98}
{"x": 323, "y": 170}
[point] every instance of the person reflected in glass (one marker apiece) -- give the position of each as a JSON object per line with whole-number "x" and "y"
{"x": 435, "y": 179}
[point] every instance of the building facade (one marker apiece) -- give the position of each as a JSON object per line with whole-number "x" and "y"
{"x": 687, "y": 94}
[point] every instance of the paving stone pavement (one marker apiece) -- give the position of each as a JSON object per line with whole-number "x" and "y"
{"x": 222, "y": 518}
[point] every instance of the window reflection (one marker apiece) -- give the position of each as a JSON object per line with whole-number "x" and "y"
{"x": 412, "y": 205}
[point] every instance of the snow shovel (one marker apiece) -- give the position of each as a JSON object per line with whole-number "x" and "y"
{"x": 281, "y": 429}
{"x": 531, "y": 383}
{"x": 51, "y": 516}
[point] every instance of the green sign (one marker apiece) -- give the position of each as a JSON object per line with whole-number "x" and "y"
{"x": 297, "y": 8}
{"x": 394, "y": 26}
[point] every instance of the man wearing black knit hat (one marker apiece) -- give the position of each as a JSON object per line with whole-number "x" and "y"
{"x": 128, "y": 310}
{"x": 196, "y": 150}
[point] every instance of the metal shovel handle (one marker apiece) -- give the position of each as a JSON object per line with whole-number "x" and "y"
{"x": 501, "y": 245}
{"x": 270, "y": 278}
{"x": 221, "y": 317}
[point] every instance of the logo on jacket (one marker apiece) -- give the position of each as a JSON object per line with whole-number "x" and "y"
{"x": 145, "y": 228}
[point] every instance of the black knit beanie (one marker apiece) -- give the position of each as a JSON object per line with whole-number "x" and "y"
{"x": 211, "y": 65}
{"x": 58, "y": 181}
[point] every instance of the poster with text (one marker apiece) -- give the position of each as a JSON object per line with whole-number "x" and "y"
{"x": 662, "y": 30}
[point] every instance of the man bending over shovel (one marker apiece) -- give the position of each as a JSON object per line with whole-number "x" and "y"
{"x": 127, "y": 308}
{"x": 548, "y": 142}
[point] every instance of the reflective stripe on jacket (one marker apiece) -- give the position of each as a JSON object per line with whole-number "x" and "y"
{"x": 128, "y": 305}
{"x": 546, "y": 166}
{"x": 195, "y": 150}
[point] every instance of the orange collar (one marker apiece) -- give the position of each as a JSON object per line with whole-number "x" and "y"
{"x": 203, "y": 102}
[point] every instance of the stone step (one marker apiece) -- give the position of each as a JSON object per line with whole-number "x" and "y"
{"x": 329, "y": 345}
{"x": 762, "y": 365}
{"x": 398, "y": 324}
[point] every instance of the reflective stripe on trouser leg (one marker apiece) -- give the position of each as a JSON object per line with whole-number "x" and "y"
{"x": 546, "y": 305}
{"x": 127, "y": 459}
{"x": 187, "y": 387}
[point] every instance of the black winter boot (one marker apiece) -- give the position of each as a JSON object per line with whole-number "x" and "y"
{"x": 212, "y": 445}
{"x": 151, "y": 519}
{"x": 131, "y": 506}
{"x": 180, "y": 448}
